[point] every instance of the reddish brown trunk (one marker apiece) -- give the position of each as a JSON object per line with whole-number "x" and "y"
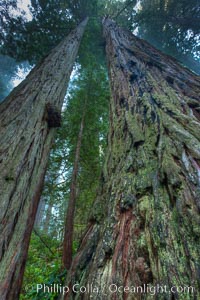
{"x": 69, "y": 224}
{"x": 28, "y": 118}
{"x": 145, "y": 220}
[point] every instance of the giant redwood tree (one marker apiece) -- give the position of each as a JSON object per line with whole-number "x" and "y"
{"x": 28, "y": 118}
{"x": 144, "y": 228}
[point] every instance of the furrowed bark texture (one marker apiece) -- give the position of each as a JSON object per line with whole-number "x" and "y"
{"x": 145, "y": 223}
{"x": 28, "y": 118}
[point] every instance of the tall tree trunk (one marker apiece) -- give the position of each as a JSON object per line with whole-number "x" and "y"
{"x": 144, "y": 227}
{"x": 69, "y": 223}
{"x": 28, "y": 118}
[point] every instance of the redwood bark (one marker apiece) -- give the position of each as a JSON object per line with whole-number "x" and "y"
{"x": 69, "y": 223}
{"x": 144, "y": 226}
{"x": 28, "y": 118}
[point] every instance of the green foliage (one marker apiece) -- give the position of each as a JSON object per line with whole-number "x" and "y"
{"x": 172, "y": 26}
{"x": 7, "y": 20}
{"x": 43, "y": 267}
{"x": 93, "y": 97}
{"x": 33, "y": 39}
{"x": 121, "y": 11}
{"x": 51, "y": 22}
{"x": 89, "y": 94}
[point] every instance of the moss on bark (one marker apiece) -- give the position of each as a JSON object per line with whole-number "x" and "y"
{"x": 26, "y": 139}
{"x": 149, "y": 229}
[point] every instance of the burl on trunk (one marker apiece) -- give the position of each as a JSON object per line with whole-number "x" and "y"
{"x": 28, "y": 118}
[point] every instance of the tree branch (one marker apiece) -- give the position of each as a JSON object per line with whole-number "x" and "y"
{"x": 43, "y": 241}
{"x": 125, "y": 6}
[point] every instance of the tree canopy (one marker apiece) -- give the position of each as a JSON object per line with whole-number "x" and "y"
{"x": 173, "y": 27}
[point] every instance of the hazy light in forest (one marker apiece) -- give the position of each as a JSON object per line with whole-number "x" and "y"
{"x": 20, "y": 75}
{"x": 137, "y": 8}
{"x": 22, "y": 5}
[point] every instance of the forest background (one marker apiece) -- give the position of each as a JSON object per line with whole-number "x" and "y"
{"x": 171, "y": 26}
